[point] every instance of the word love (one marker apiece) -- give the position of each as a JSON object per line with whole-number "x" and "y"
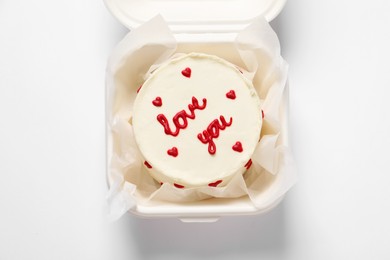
{"x": 180, "y": 119}
{"x": 212, "y": 132}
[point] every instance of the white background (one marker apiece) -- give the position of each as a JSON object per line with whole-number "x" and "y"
{"x": 52, "y": 141}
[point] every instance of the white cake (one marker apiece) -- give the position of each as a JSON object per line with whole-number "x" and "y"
{"x": 197, "y": 121}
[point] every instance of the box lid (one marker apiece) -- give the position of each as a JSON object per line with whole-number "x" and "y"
{"x": 195, "y": 16}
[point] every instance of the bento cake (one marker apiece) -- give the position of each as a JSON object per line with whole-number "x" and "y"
{"x": 196, "y": 121}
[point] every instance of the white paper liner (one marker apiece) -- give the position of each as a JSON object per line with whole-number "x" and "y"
{"x": 272, "y": 173}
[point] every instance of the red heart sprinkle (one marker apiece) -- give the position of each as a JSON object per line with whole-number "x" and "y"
{"x": 148, "y": 165}
{"x": 248, "y": 164}
{"x": 173, "y": 152}
{"x": 186, "y": 72}
{"x": 139, "y": 88}
{"x": 262, "y": 113}
{"x": 157, "y": 102}
{"x": 215, "y": 184}
{"x": 231, "y": 94}
{"x": 237, "y": 147}
{"x": 178, "y": 186}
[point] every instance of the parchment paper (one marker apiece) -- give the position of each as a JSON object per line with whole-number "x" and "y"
{"x": 272, "y": 173}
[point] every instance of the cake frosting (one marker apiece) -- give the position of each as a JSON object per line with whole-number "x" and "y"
{"x": 196, "y": 121}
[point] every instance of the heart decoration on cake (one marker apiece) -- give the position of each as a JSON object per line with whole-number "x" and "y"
{"x": 148, "y": 165}
{"x": 237, "y": 147}
{"x": 178, "y": 186}
{"x": 157, "y": 102}
{"x": 173, "y": 152}
{"x": 215, "y": 184}
{"x": 139, "y": 88}
{"x": 248, "y": 164}
{"x": 231, "y": 94}
{"x": 186, "y": 72}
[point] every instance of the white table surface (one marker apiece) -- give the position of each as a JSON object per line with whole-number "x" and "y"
{"x": 52, "y": 144}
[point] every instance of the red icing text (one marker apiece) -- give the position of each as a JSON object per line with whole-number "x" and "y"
{"x": 212, "y": 132}
{"x": 180, "y": 119}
